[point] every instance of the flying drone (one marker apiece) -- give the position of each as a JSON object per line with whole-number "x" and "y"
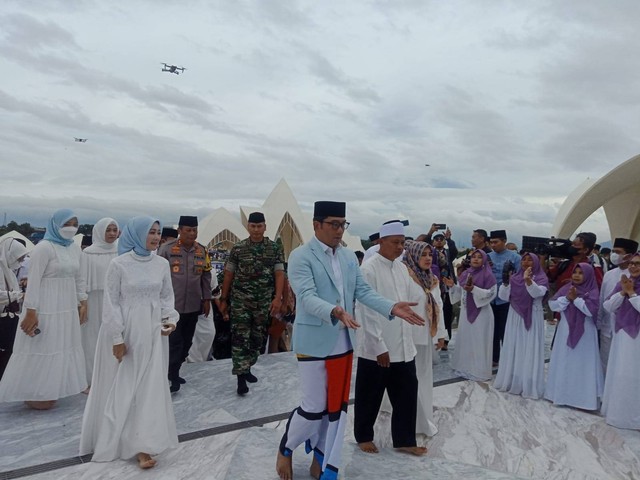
{"x": 172, "y": 69}
{"x": 81, "y": 140}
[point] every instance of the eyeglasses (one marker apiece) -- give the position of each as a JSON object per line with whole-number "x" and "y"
{"x": 337, "y": 225}
{"x": 635, "y": 264}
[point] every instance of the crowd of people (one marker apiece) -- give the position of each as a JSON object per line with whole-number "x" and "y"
{"x": 118, "y": 319}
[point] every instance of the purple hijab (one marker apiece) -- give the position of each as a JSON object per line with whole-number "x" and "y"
{"x": 520, "y": 299}
{"x": 587, "y": 290}
{"x": 482, "y": 278}
{"x": 627, "y": 317}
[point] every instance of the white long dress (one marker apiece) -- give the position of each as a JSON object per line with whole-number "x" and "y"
{"x": 521, "y": 369}
{"x": 50, "y": 365}
{"x": 93, "y": 268}
{"x": 424, "y": 343}
{"x": 575, "y": 375}
{"x": 620, "y": 402}
{"x": 129, "y": 408}
{"x": 473, "y": 354}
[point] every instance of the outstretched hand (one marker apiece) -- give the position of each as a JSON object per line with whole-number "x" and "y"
{"x": 342, "y": 315}
{"x": 404, "y": 311}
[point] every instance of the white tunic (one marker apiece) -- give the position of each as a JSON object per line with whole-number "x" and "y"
{"x": 129, "y": 408}
{"x": 378, "y": 334}
{"x": 473, "y": 354}
{"x": 609, "y": 282}
{"x": 575, "y": 374}
{"x": 50, "y": 365}
{"x": 521, "y": 369}
{"x": 93, "y": 269}
{"x": 621, "y": 399}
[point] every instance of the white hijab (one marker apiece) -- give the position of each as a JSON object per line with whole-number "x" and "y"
{"x": 10, "y": 253}
{"x": 100, "y": 245}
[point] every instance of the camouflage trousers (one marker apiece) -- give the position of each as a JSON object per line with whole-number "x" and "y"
{"x": 249, "y": 323}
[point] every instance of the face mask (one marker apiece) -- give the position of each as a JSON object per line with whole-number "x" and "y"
{"x": 615, "y": 258}
{"x": 68, "y": 232}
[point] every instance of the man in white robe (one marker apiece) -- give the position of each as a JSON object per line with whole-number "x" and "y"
{"x": 386, "y": 351}
{"x": 620, "y": 256}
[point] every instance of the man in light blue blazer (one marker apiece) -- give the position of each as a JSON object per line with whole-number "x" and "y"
{"x": 326, "y": 280}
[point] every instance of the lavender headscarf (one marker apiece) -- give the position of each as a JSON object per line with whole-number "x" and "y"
{"x": 520, "y": 299}
{"x": 482, "y": 278}
{"x": 587, "y": 290}
{"x": 627, "y": 317}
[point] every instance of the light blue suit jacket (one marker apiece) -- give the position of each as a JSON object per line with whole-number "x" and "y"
{"x": 312, "y": 280}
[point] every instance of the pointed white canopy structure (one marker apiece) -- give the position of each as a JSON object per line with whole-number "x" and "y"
{"x": 283, "y": 216}
{"x": 618, "y": 192}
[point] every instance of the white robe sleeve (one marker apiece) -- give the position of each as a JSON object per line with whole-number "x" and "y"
{"x": 613, "y": 303}
{"x": 81, "y": 279}
{"x": 372, "y": 341}
{"x": 455, "y": 294}
{"x": 560, "y": 304}
{"x": 581, "y": 305}
{"x": 40, "y": 258}
{"x": 167, "y": 300}
{"x": 535, "y": 290}
{"x": 442, "y": 331}
{"x": 504, "y": 292}
{"x": 482, "y": 296}
{"x": 112, "y": 318}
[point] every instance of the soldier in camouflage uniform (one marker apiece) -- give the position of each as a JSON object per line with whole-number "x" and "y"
{"x": 254, "y": 275}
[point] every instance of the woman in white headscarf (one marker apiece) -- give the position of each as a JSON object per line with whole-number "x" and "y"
{"x": 93, "y": 267}
{"x": 129, "y": 411}
{"x": 12, "y": 253}
{"x": 47, "y": 361}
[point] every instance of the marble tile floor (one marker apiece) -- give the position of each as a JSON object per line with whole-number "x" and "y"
{"x": 206, "y": 406}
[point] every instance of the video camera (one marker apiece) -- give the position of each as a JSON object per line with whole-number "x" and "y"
{"x": 552, "y": 247}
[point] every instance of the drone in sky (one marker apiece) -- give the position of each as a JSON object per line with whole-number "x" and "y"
{"x": 81, "y": 140}
{"x": 172, "y": 69}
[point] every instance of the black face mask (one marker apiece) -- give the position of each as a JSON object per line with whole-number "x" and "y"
{"x": 573, "y": 251}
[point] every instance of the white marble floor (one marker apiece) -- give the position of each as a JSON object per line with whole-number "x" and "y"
{"x": 483, "y": 434}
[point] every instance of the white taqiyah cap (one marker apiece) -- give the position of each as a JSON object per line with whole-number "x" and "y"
{"x": 394, "y": 228}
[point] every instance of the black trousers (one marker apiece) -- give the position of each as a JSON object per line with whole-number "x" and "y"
{"x": 447, "y": 310}
{"x": 180, "y": 342}
{"x": 500, "y": 313}
{"x": 401, "y": 383}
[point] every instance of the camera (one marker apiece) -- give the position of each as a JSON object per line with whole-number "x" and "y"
{"x": 552, "y": 247}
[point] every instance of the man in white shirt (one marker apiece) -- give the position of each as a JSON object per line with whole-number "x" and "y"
{"x": 386, "y": 351}
{"x": 621, "y": 253}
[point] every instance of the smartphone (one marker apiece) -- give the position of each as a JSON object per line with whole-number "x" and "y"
{"x": 441, "y": 226}
{"x": 469, "y": 280}
{"x": 37, "y": 331}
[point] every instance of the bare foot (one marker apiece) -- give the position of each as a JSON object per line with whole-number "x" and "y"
{"x": 368, "y": 447}
{"x": 145, "y": 461}
{"x": 315, "y": 470}
{"x": 284, "y": 467}
{"x": 417, "y": 451}
{"x": 40, "y": 405}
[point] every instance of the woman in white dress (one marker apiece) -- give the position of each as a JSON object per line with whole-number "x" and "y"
{"x": 472, "y": 356}
{"x": 129, "y": 411}
{"x": 620, "y": 404}
{"x": 418, "y": 258}
{"x": 93, "y": 267}
{"x": 521, "y": 369}
{"x": 48, "y": 361}
{"x": 575, "y": 371}
{"x": 12, "y": 252}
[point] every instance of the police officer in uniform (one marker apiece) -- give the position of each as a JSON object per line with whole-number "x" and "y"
{"x": 191, "y": 279}
{"x": 254, "y": 275}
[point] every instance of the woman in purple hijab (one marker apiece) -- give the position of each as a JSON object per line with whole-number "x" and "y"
{"x": 521, "y": 369}
{"x": 575, "y": 371}
{"x": 473, "y": 349}
{"x": 620, "y": 404}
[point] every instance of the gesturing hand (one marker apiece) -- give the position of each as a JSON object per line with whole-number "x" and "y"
{"x": 404, "y": 311}
{"x": 626, "y": 284}
{"x": 342, "y": 315}
{"x": 572, "y": 294}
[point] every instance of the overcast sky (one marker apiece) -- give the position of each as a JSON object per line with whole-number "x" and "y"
{"x": 513, "y": 104}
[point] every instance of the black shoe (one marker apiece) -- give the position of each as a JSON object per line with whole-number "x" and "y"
{"x": 175, "y": 386}
{"x": 181, "y": 381}
{"x": 242, "y": 385}
{"x": 250, "y": 377}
